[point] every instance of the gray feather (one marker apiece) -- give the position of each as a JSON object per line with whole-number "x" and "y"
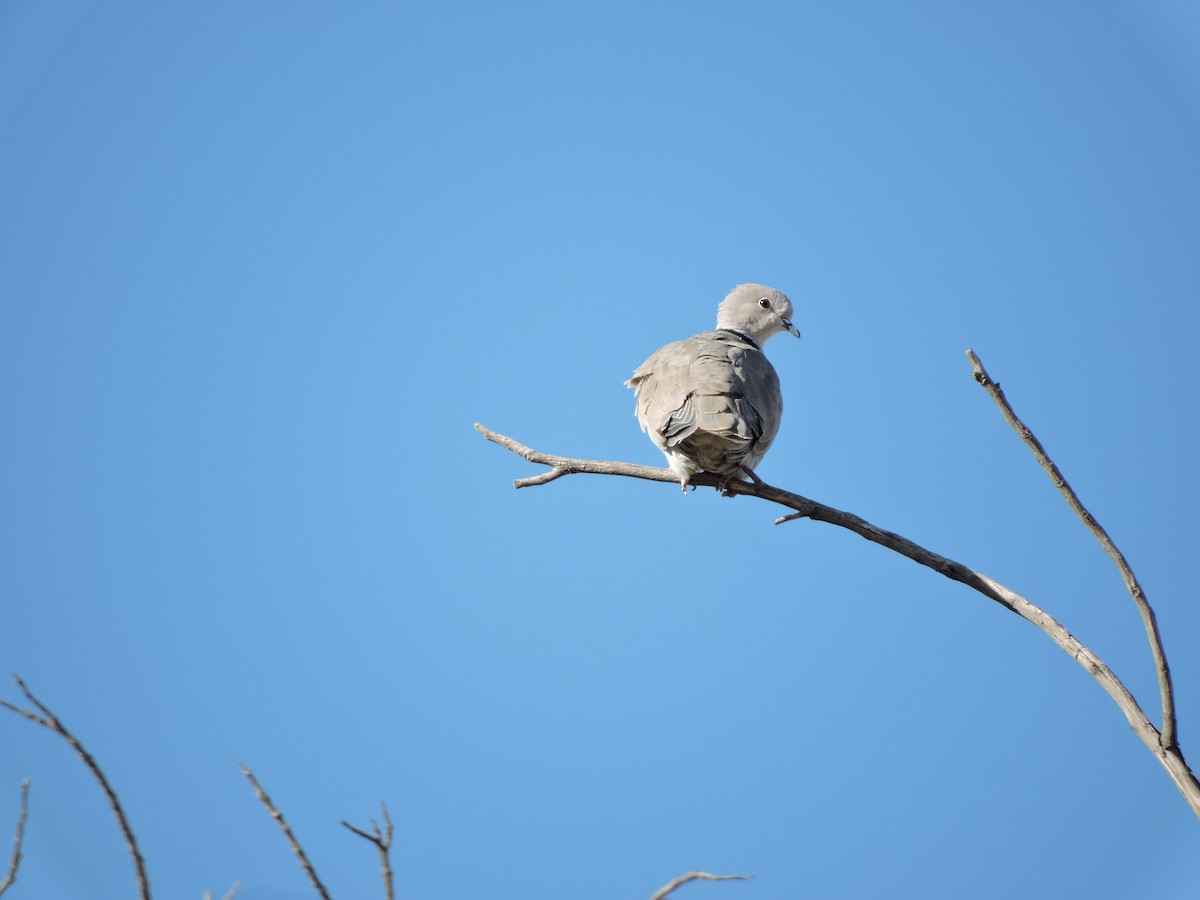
{"x": 712, "y": 403}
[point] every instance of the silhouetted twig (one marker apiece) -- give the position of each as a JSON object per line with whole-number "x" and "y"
{"x": 287, "y": 832}
{"x": 683, "y": 879}
{"x": 48, "y": 720}
{"x": 1166, "y": 692}
{"x": 383, "y": 842}
{"x": 228, "y": 896}
{"x": 18, "y": 839}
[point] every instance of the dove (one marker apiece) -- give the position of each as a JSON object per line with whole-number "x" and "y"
{"x": 712, "y": 403}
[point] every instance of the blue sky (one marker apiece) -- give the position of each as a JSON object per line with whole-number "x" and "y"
{"x": 263, "y": 266}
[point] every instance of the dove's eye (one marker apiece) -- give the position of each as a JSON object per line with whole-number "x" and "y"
{"x": 764, "y": 303}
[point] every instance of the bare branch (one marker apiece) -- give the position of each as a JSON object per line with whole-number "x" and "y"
{"x": 1169, "y": 756}
{"x": 228, "y": 896}
{"x": 562, "y": 465}
{"x": 383, "y": 842}
{"x": 287, "y": 832}
{"x": 18, "y": 839}
{"x": 48, "y": 720}
{"x": 1167, "y": 694}
{"x": 683, "y": 879}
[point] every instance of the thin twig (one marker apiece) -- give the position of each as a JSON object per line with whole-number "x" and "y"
{"x": 1167, "y": 694}
{"x": 563, "y": 465}
{"x": 683, "y": 879}
{"x": 287, "y": 832}
{"x": 383, "y": 842}
{"x": 48, "y": 720}
{"x": 229, "y": 896}
{"x": 1169, "y": 757}
{"x": 18, "y": 839}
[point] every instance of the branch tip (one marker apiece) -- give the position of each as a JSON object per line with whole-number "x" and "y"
{"x": 695, "y": 875}
{"x": 383, "y": 843}
{"x": 305, "y": 864}
{"x": 52, "y": 723}
{"x": 18, "y": 839}
{"x": 1168, "y": 739}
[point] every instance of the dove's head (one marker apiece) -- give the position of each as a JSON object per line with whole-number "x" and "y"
{"x": 757, "y": 311}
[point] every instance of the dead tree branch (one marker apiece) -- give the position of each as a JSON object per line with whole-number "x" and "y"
{"x": 287, "y": 833}
{"x": 683, "y": 879}
{"x": 18, "y": 839}
{"x": 1165, "y": 690}
{"x": 48, "y": 720}
{"x": 383, "y": 842}
{"x": 229, "y": 895}
{"x": 563, "y": 465}
{"x": 1167, "y": 753}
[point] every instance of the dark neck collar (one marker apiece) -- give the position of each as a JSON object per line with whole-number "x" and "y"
{"x": 743, "y": 336}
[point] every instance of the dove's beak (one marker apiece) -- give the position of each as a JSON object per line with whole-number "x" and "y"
{"x": 790, "y": 327}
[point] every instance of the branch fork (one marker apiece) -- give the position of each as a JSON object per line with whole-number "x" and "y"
{"x": 1163, "y": 744}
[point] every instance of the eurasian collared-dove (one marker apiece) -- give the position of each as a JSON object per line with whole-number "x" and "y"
{"x": 712, "y": 403}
